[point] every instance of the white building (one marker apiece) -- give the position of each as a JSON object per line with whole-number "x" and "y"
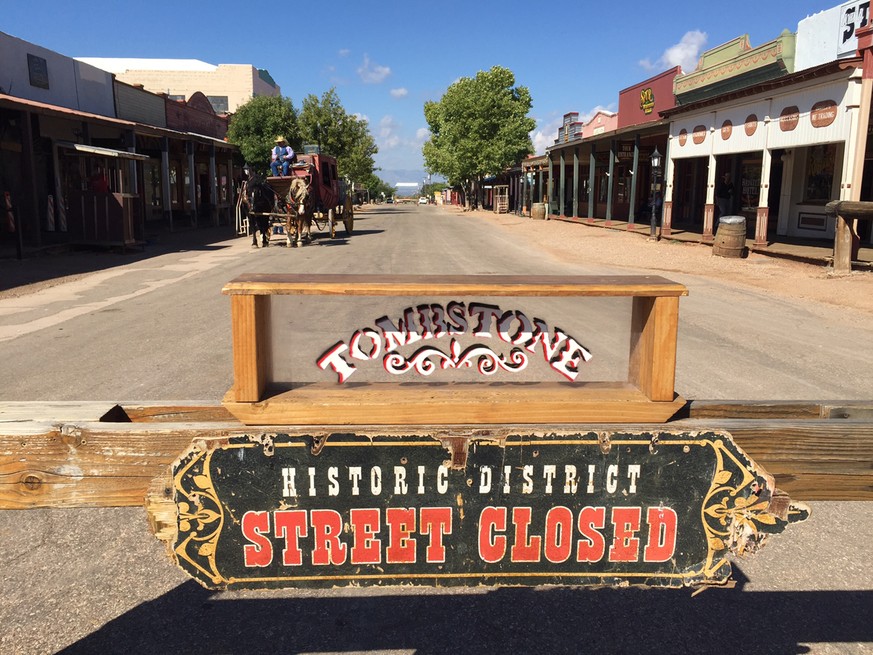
{"x": 226, "y": 86}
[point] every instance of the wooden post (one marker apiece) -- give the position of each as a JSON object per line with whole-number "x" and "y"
{"x": 654, "y": 328}
{"x": 251, "y": 361}
{"x": 846, "y": 240}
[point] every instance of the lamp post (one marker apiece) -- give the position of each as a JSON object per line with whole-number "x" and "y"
{"x": 656, "y": 169}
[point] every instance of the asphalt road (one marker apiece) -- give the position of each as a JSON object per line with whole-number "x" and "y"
{"x": 84, "y": 581}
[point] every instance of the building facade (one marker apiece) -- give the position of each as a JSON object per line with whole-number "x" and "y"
{"x": 87, "y": 159}
{"x": 226, "y": 86}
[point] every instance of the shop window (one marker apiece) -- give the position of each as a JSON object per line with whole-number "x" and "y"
{"x": 750, "y": 184}
{"x": 820, "y": 164}
{"x": 153, "y": 192}
{"x": 37, "y": 69}
{"x": 219, "y": 103}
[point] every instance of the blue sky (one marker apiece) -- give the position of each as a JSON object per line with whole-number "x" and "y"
{"x": 387, "y": 58}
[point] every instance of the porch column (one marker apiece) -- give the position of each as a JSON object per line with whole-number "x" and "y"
{"x": 550, "y": 186}
{"x": 709, "y": 209}
{"x": 667, "y": 212}
{"x": 231, "y": 185}
{"x": 165, "y": 182}
{"x": 592, "y": 162}
{"x": 192, "y": 181}
{"x": 633, "y": 190}
{"x": 609, "y": 185}
{"x": 562, "y": 190}
{"x": 576, "y": 182}
{"x": 213, "y": 185}
{"x": 763, "y": 213}
{"x": 29, "y": 202}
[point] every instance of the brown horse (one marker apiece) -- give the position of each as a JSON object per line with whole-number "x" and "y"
{"x": 258, "y": 201}
{"x": 300, "y": 211}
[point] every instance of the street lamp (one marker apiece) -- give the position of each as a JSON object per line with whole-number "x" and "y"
{"x": 656, "y": 169}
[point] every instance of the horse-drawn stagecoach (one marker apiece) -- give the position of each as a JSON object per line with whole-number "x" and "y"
{"x": 310, "y": 193}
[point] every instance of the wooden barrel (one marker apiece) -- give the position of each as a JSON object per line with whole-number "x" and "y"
{"x": 538, "y": 211}
{"x": 730, "y": 239}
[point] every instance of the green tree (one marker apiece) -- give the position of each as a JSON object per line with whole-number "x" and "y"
{"x": 479, "y": 127}
{"x": 256, "y": 124}
{"x": 324, "y": 122}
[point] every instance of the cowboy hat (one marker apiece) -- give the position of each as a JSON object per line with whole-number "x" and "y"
{"x": 280, "y": 139}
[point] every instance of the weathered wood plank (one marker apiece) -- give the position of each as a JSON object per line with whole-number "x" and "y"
{"x": 422, "y": 404}
{"x": 800, "y": 409}
{"x": 443, "y": 285}
{"x": 112, "y": 464}
{"x": 58, "y": 411}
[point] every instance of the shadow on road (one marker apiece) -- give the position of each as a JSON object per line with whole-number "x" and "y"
{"x": 507, "y": 620}
{"x": 38, "y": 268}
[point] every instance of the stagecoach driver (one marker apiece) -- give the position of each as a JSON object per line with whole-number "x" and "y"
{"x": 283, "y": 155}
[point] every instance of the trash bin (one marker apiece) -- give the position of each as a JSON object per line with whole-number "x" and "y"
{"x": 730, "y": 238}
{"x": 538, "y": 211}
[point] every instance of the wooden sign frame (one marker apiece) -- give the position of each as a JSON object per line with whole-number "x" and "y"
{"x": 646, "y": 395}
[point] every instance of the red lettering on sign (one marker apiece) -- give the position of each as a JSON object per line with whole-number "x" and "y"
{"x": 592, "y": 545}
{"x": 524, "y": 547}
{"x": 401, "y": 547}
{"x": 625, "y": 546}
{"x": 662, "y": 534}
{"x": 260, "y": 551}
{"x": 492, "y": 548}
{"x": 327, "y": 526}
{"x": 366, "y": 547}
{"x": 559, "y": 535}
{"x": 436, "y": 522}
{"x": 290, "y": 525}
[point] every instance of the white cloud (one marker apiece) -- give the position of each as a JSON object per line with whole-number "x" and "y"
{"x": 422, "y": 134}
{"x": 372, "y": 73}
{"x": 685, "y": 53}
{"x": 361, "y": 117}
{"x": 402, "y": 92}
{"x": 545, "y": 135}
{"x": 389, "y": 137}
{"x": 344, "y": 52}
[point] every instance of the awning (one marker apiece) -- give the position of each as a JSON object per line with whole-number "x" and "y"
{"x": 105, "y": 152}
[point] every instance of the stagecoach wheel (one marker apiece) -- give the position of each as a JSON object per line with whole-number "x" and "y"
{"x": 331, "y": 222}
{"x": 348, "y": 216}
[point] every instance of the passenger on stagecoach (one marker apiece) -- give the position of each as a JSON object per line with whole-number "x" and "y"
{"x": 282, "y": 155}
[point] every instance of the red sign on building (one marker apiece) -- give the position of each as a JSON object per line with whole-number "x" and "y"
{"x": 642, "y": 102}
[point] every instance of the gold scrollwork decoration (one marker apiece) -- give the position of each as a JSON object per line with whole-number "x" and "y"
{"x": 201, "y": 516}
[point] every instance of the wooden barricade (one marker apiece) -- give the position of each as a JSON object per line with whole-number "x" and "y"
{"x": 647, "y": 394}
{"x": 385, "y": 483}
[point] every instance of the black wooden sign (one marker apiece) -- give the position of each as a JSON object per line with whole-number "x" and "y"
{"x": 614, "y": 508}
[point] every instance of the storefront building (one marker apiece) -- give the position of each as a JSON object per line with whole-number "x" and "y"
{"x": 787, "y": 146}
{"x": 86, "y": 159}
{"x": 786, "y": 124}
{"x": 604, "y": 170}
